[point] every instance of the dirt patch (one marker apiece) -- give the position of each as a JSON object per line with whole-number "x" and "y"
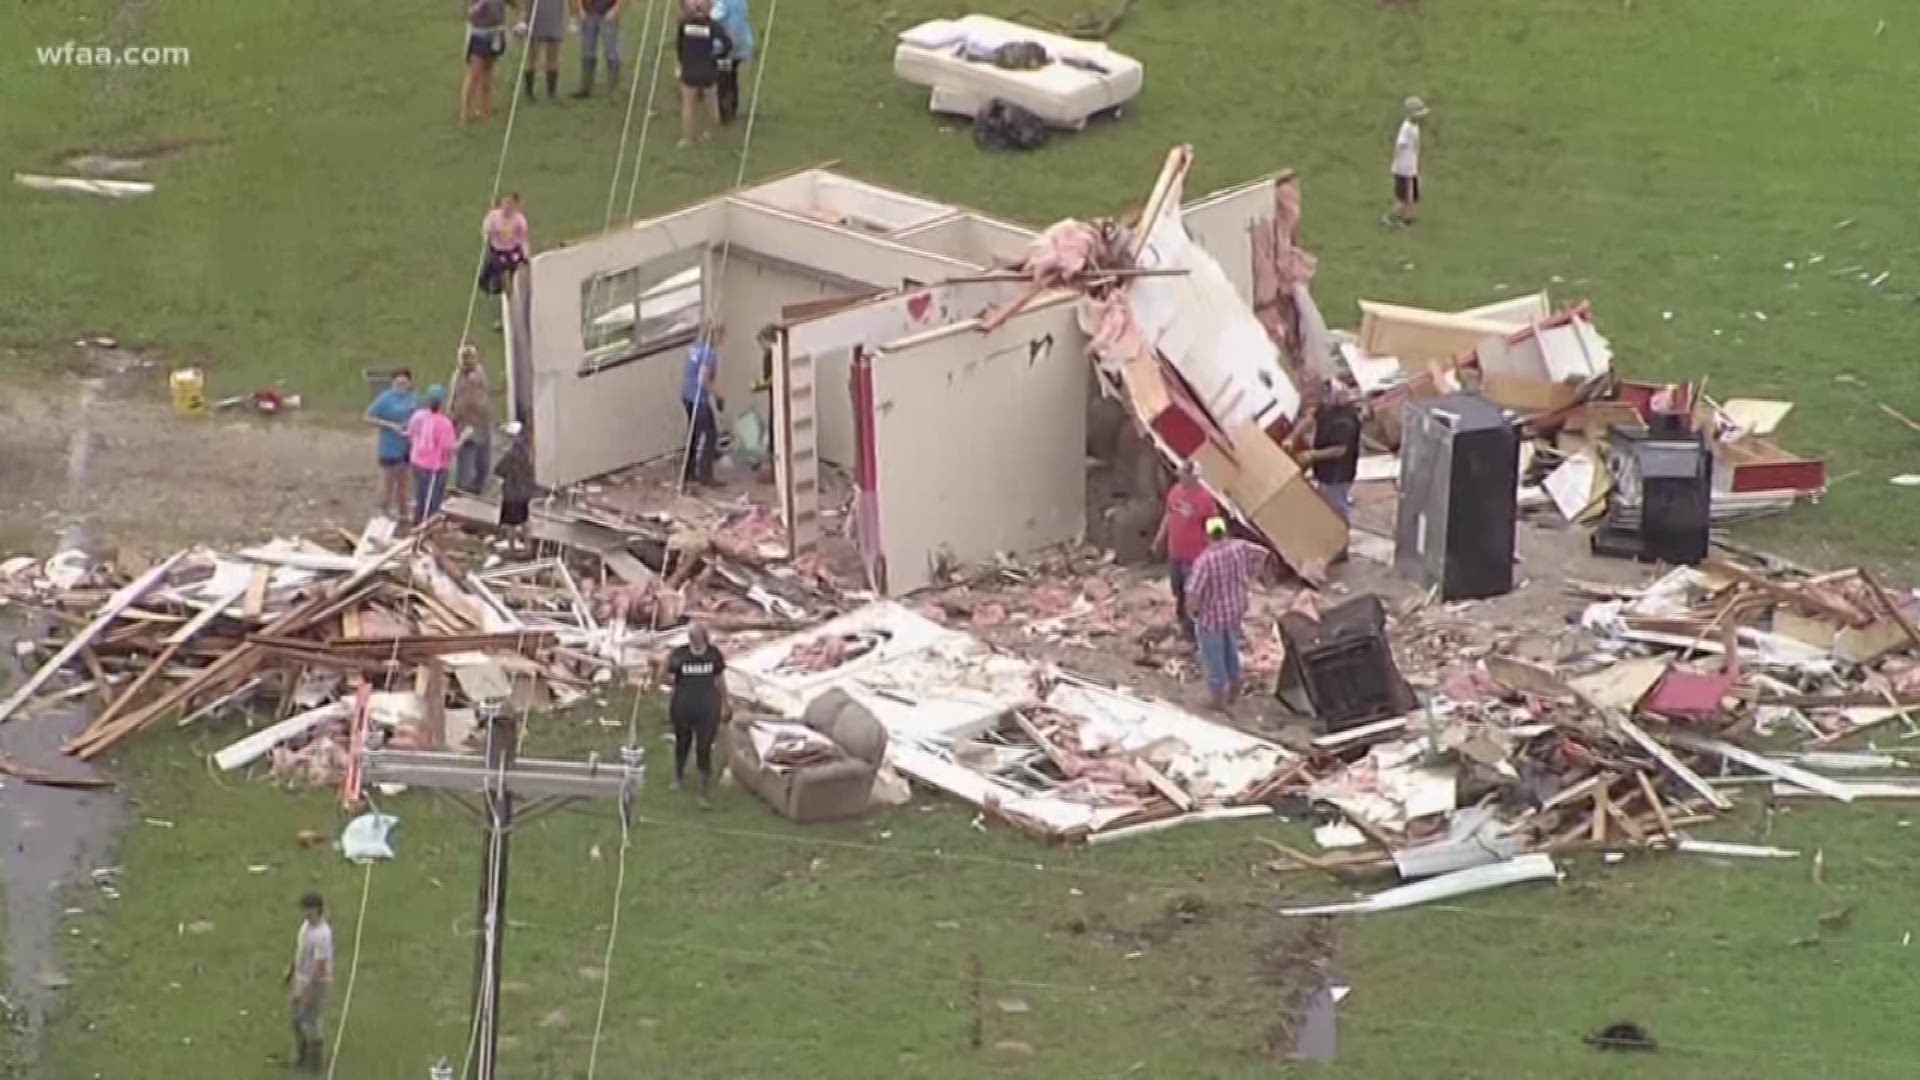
{"x": 130, "y": 162}
{"x": 82, "y": 463}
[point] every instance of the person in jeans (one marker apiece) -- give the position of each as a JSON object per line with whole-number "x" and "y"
{"x": 471, "y": 410}
{"x": 1335, "y": 457}
{"x": 1218, "y": 589}
{"x": 599, "y": 32}
{"x": 697, "y": 396}
{"x": 433, "y": 440}
{"x": 1183, "y": 536}
{"x": 307, "y": 980}
{"x": 390, "y": 412}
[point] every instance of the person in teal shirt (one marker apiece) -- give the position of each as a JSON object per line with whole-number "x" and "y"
{"x": 389, "y": 413}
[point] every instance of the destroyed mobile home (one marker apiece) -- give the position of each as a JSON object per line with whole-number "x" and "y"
{"x": 1435, "y": 754}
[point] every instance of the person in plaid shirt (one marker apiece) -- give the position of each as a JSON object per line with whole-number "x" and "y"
{"x": 1218, "y": 588}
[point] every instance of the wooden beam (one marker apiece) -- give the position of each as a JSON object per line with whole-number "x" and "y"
{"x": 1669, "y": 762}
{"x": 119, "y": 602}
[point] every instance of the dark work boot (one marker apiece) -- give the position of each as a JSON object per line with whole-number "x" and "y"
{"x": 553, "y": 84}
{"x": 586, "y": 80}
{"x": 527, "y": 77}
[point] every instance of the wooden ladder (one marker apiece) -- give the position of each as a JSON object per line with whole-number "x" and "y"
{"x": 797, "y": 459}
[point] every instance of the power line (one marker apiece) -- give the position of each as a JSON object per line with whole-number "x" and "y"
{"x": 353, "y": 971}
{"x": 613, "y": 936}
{"x": 633, "y": 95}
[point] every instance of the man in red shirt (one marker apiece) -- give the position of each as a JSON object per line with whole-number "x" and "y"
{"x": 1183, "y": 536}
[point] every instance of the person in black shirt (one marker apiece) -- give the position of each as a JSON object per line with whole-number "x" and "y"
{"x": 1335, "y": 456}
{"x": 698, "y": 696}
{"x": 702, "y": 45}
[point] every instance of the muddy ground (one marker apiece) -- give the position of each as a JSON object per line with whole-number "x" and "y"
{"x": 96, "y": 458}
{"x": 99, "y": 455}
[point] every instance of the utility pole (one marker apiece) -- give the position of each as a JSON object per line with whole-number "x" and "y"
{"x": 486, "y": 787}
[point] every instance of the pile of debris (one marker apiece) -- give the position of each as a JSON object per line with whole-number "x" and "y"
{"x": 1630, "y": 744}
{"x": 1553, "y": 369}
{"x": 1059, "y": 756}
{"x": 371, "y": 640}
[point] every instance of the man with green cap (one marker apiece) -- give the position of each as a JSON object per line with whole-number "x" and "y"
{"x": 432, "y": 443}
{"x": 1218, "y": 589}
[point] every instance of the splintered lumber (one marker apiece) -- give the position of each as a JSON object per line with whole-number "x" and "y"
{"x": 1165, "y": 786}
{"x": 31, "y": 775}
{"x": 1653, "y": 800}
{"x": 1777, "y": 769}
{"x": 250, "y": 749}
{"x": 119, "y": 602}
{"x": 206, "y": 616}
{"x": 1669, "y": 762}
{"x": 1032, "y": 731}
{"x": 408, "y": 647}
{"x": 1806, "y": 600}
{"x": 1892, "y": 609}
{"x": 233, "y": 666}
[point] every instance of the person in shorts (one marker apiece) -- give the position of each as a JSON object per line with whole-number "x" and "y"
{"x": 486, "y": 43}
{"x": 546, "y": 29}
{"x": 1406, "y": 164}
{"x": 505, "y": 230}
{"x": 703, "y": 45}
{"x": 390, "y": 412}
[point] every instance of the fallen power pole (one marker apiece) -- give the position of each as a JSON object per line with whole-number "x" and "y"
{"x": 495, "y": 782}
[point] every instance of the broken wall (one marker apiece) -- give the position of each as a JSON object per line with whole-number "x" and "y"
{"x": 1222, "y": 224}
{"x": 980, "y": 442}
{"x": 972, "y": 237}
{"x": 755, "y": 290}
{"x": 589, "y": 421}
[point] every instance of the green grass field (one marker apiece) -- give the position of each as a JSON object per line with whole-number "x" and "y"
{"x": 318, "y": 214}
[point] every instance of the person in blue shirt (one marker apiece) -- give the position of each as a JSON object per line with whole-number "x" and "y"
{"x": 389, "y": 413}
{"x": 698, "y": 397}
{"x": 732, "y": 17}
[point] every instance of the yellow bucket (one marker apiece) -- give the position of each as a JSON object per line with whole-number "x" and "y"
{"x": 189, "y": 391}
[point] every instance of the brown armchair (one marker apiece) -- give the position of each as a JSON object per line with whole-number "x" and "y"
{"x": 828, "y": 790}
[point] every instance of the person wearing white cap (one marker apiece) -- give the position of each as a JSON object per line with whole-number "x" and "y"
{"x": 1406, "y": 164}
{"x": 515, "y": 470}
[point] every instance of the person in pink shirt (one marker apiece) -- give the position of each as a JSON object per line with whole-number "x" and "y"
{"x": 432, "y": 442}
{"x": 505, "y": 228}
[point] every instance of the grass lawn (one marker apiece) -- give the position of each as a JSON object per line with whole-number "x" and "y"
{"x": 317, "y": 214}
{"x": 749, "y": 948}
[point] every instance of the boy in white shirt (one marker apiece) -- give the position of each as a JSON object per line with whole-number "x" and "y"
{"x": 1406, "y": 165}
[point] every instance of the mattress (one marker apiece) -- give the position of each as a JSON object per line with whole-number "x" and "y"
{"x": 933, "y": 55}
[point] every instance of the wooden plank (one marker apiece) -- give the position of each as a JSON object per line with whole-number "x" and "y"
{"x": 253, "y": 747}
{"x": 1892, "y": 609}
{"x": 1778, "y": 769}
{"x": 1046, "y": 745}
{"x": 433, "y": 691}
{"x": 1667, "y": 761}
{"x": 1805, "y": 601}
{"x": 1165, "y": 786}
{"x": 101, "y": 684}
{"x": 1653, "y": 800}
{"x": 119, "y": 602}
{"x": 1598, "y": 824}
{"x": 255, "y": 602}
{"x": 206, "y": 616}
{"x": 1627, "y": 824}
